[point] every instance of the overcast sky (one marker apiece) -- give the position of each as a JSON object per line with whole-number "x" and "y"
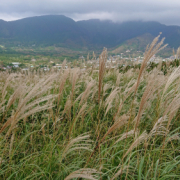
{"x": 164, "y": 11}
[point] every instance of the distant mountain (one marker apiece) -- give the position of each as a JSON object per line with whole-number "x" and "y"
{"x": 46, "y": 30}
{"x": 138, "y": 43}
{"x": 61, "y": 31}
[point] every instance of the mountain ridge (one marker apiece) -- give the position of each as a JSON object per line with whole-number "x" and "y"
{"x": 61, "y": 31}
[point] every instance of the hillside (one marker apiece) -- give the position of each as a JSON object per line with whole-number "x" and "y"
{"x": 44, "y": 30}
{"x": 138, "y": 43}
{"x": 61, "y": 31}
{"x": 97, "y": 123}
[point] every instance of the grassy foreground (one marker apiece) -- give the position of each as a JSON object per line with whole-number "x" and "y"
{"x": 91, "y": 124}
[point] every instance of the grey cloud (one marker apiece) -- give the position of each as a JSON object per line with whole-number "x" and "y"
{"x": 117, "y": 10}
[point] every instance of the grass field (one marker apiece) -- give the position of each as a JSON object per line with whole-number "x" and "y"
{"x": 91, "y": 124}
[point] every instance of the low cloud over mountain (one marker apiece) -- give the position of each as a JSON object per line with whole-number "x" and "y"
{"x": 166, "y": 12}
{"x": 59, "y": 30}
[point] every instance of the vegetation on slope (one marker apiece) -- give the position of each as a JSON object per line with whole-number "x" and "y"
{"x": 92, "y": 124}
{"x": 61, "y": 31}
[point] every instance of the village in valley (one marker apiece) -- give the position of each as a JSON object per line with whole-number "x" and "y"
{"x": 113, "y": 61}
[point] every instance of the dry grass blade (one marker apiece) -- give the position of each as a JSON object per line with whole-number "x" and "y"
{"x": 106, "y": 87}
{"x": 63, "y": 81}
{"x": 174, "y": 76}
{"x": 27, "y": 110}
{"x": 85, "y": 173}
{"x": 37, "y": 102}
{"x": 178, "y": 53}
{"x": 67, "y": 106}
{"x": 111, "y": 96}
{"x": 125, "y": 135}
{"x": 119, "y": 173}
{"x": 159, "y": 127}
{"x": 2, "y": 106}
{"x": 87, "y": 92}
{"x": 24, "y": 108}
{"x": 81, "y": 142}
{"x": 81, "y": 112}
{"x": 173, "y": 137}
{"x": 9, "y": 78}
{"x": 110, "y": 99}
{"x": 37, "y": 109}
{"x": 172, "y": 103}
{"x": 40, "y": 88}
{"x": 14, "y": 119}
{"x": 126, "y": 96}
{"x": 150, "y": 51}
{"x": 152, "y": 86}
{"x": 102, "y": 66}
{"x": 14, "y": 96}
{"x": 63, "y": 65}
{"x": 118, "y": 79}
{"x": 136, "y": 143}
{"x": 12, "y": 141}
{"x": 173, "y": 107}
{"x": 118, "y": 123}
{"x": 74, "y": 77}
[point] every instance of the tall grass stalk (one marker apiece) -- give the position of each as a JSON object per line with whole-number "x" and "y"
{"x": 97, "y": 123}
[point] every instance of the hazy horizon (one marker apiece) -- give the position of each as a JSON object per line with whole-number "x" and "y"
{"x": 76, "y": 20}
{"x": 165, "y": 12}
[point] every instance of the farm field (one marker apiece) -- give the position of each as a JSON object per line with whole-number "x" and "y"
{"x": 93, "y": 123}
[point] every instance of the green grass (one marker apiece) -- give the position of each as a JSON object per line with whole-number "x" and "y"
{"x": 54, "y": 126}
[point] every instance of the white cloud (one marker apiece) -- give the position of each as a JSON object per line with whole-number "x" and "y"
{"x": 117, "y": 10}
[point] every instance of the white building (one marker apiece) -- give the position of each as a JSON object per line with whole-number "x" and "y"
{"x": 16, "y": 64}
